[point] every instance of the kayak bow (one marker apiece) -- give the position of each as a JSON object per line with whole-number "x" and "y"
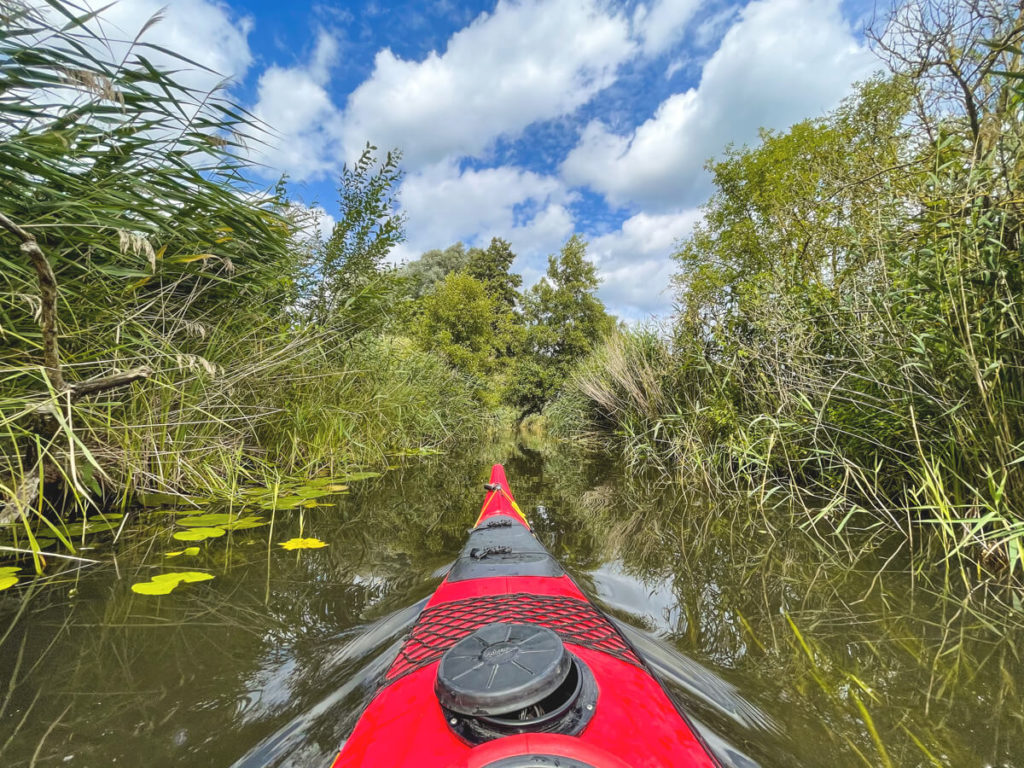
{"x": 510, "y": 666}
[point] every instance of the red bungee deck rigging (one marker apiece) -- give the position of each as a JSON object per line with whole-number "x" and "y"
{"x": 510, "y": 666}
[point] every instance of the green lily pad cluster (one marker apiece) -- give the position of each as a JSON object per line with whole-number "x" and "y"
{"x": 199, "y": 534}
{"x": 165, "y": 583}
{"x": 211, "y": 525}
{"x": 201, "y": 524}
{"x": 224, "y": 520}
{"x": 301, "y": 494}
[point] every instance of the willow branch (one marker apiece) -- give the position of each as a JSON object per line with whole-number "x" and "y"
{"x": 48, "y": 296}
{"x": 103, "y": 383}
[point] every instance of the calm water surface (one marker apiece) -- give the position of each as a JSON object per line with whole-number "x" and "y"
{"x": 784, "y": 654}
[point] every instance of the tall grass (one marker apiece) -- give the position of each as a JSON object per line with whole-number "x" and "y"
{"x": 168, "y": 264}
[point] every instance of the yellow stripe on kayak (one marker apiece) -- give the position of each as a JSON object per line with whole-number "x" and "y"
{"x": 490, "y": 498}
{"x": 515, "y": 506}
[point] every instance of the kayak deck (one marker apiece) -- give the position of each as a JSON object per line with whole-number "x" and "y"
{"x": 504, "y": 574}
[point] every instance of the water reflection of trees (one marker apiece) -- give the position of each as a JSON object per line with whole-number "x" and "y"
{"x": 281, "y": 650}
{"x": 203, "y": 675}
{"x": 835, "y": 645}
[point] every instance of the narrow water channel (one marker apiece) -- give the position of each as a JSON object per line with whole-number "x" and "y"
{"x": 785, "y": 654}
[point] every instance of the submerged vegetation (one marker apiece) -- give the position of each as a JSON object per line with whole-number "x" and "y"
{"x": 850, "y": 325}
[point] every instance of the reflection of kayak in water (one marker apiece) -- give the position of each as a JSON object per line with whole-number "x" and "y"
{"x": 510, "y": 666}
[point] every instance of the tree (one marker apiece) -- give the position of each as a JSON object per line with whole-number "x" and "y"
{"x": 785, "y": 216}
{"x": 566, "y": 318}
{"x": 493, "y": 267}
{"x": 422, "y": 275}
{"x": 565, "y": 321}
{"x": 457, "y": 321}
{"x": 958, "y": 52}
{"x": 342, "y": 270}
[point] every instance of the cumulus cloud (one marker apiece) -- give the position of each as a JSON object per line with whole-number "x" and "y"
{"x": 204, "y": 31}
{"x": 782, "y": 61}
{"x": 634, "y": 262}
{"x": 305, "y": 123}
{"x": 527, "y": 61}
{"x": 662, "y": 23}
{"x": 445, "y": 205}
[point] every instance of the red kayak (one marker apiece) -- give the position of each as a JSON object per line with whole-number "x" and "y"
{"x": 510, "y": 666}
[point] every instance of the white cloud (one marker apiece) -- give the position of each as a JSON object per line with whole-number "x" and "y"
{"x": 204, "y": 31}
{"x": 445, "y": 205}
{"x": 634, "y": 262}
{"x": 527, "y": 61}
{"x": 660, "y": 25}
{"x": 305, "y": 123}
{"x": 784, "y": 60}
{"x": 712, "y": 28}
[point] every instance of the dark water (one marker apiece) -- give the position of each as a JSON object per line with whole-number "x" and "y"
{"x": 786, "y": 654}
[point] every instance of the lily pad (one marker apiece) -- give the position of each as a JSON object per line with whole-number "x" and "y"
{"x": 190, "y": 551}
{"x": 283, "y": 502}
{"x": 225, "y": 521}
{"x": 199, "y": 534}
{"x": 244, "y": 523}
{"x": 303, "y": 544}
{"x": 353, "y": 477}
{"x": 96, "y": 525}
{"x": 7, "y": 577}
{"x": 165, "y": 583}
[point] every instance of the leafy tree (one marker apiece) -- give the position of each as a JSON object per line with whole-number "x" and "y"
{"x": 565, "y": 320}
{"x": 493, "y": 267}
{"x": 343, "y": 272}
{"x": 784, "y": 216}
{"x": 457, "y": 321}
{"x": 422, "y": 275}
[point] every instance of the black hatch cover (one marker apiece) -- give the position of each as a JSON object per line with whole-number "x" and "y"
{"x": 501, "y": 668}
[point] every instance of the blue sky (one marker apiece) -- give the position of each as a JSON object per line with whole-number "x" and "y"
{"x": 529, "y": 120}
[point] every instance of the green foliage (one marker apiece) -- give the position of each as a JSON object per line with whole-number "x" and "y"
{"x": 165, "y": 259}
{"x": 492, "y": 267}
{"x": 457, "y": 320}
{"x": 851, "y": 323}
{"x": 342, "y": 275}
{"x": 470, "y": 315}
{"x": 422, "y": 275}
{"x": 565, "y": 320}
{"x": 786, "y": 216}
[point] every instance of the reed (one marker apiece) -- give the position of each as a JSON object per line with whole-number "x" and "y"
{"x": 150, "y": 332}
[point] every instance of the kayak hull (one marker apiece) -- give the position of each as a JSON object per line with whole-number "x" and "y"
{"x": 633, "y": 722}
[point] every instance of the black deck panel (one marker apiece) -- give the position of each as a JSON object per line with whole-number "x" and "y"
{"x": 497, "y": 549}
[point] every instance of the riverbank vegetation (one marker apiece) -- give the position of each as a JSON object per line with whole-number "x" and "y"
{"x": 850, "y": 324}
{"x": 169, "y": 326}
{"x": 848, "y": 332}
{"x": 165, "y": 325}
